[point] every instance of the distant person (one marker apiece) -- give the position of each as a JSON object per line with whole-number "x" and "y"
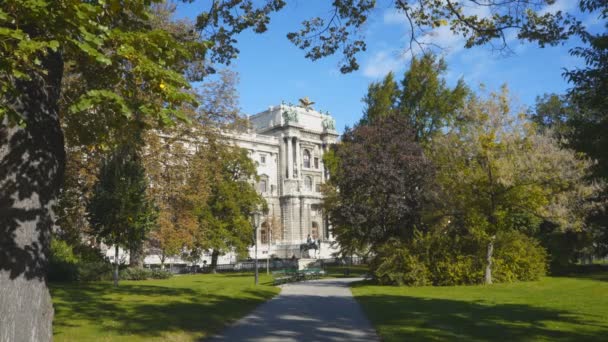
{"x": 309, "y": 240}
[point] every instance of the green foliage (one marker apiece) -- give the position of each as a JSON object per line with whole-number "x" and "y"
{"x": 63, "y": 264}
{"x": 225, "y": 218}
{"x": 79, "y": 263}
{"x": 380, "y": 99}
{"x": 518, "y": 257}
{"x": 448, "y": 258}
{"x": 396, "y": 265}
{"x": 120, "y": 211}
{"x": 136, "y": 273}
{"x": 423, "y": 97}
{"x": 498, "y": 174}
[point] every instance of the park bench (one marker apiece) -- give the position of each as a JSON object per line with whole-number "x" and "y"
{"x": 312, "y": 273}
{"x": 284, "y": 276}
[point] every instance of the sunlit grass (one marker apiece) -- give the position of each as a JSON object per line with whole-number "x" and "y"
{"x": 552, "y": 309}
{"x": 183, "y": 308}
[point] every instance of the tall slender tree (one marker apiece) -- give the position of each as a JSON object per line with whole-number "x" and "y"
{"x": 121, "y": 213}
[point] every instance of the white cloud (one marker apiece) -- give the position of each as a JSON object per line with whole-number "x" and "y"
{"x": 382, "y": 62}
{"x": 394, "y": 17}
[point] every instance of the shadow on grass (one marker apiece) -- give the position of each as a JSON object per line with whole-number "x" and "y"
{"x": 148, "y": 310}
{"x": 406, "y": 318}
{"x": 594, "y": 272}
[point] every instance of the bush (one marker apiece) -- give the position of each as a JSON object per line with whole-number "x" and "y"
{"x": 94, "y": 271}
{"x": 518, "y": 257}
{"x": 444, "y": 260}
{"x": 63, "y": 264}
{"x": 396, "y": 265}
{"x": 143, "y": 274}
{"x": 80, "y": 263}
{"x": 161, "y": 274}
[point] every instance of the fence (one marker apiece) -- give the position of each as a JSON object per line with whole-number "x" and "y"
{"x": 249, "y": 265}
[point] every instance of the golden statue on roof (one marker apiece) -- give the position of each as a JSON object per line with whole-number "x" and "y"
{"x": 306, "y": 103}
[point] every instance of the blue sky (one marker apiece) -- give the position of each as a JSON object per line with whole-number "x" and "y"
{"x": 271, "y": 69}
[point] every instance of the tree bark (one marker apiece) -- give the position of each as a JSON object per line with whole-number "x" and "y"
{"x": 136, "y": 257}
{"x": 115, "y": 265}
{"x": 214, "y": 256}
{"x": 32, "y": 163}
{"x": 489, "y": 252}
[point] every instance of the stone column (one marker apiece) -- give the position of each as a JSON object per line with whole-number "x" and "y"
{"x": 298, "y": 158}
{"x": 289, "y": 159}
{"x": 281, "y": 164}
{"x": 302, "y": 234}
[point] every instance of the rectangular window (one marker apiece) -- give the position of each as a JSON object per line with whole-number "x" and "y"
{"x": 262, "y": 186}
{"x": 263, "y": 159}
{"x": 316, "y": 163}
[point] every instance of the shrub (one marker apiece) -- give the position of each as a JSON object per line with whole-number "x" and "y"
{"x": 135, "y": 274}
{"x": 161, "y": 274}
{"x": 63, "y": 264}
{"x": 143, "y": 274}
{"x": 518, "y": 257}
{"x": 396, "y": 265}
{"x": 94, "y": 271}
{"x": 443, "y": 259}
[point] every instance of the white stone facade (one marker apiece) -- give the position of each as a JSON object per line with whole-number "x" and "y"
{"x": 287, "y": 143}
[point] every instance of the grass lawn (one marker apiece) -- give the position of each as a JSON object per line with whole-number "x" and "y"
{"x": 552, "y": 309}
{"x": 183, "y": 308}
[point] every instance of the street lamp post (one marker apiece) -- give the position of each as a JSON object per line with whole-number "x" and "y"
{"x": 256, "y": 224}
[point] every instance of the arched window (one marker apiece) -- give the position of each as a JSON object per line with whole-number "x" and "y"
{"x": 264, "y": 233}
{"x": 306, "y": 159}
{"x": 308, "y": 183}
{"x": 315, "y": 231}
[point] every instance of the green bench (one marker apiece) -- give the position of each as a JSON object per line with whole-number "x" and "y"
{"x": 290, "y": 275}
{"x": 312, "y": 273}
{"x": 284, "y": 276}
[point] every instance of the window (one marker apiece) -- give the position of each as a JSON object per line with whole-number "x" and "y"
{"x": 263, "y": 186}
{"x": 308, "y": 183}
{"x": 306, "y": 159}
{"x": 315, "y": 231}
{"x": 316, "y": 163}
{"x": 262, "y": 158}
{"x": 264, "y": 233}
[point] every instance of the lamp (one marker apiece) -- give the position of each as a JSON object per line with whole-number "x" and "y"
{"x": 256, "y": 223}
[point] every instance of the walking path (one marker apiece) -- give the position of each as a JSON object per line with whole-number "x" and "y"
{"x": 316, "y": 310}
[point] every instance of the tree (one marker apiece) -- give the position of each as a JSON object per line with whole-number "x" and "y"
{"x": 121, "y": 214}
{"x": 108, "y": 42}
{"x": 378, "y": 186}
{"x": 225, "y": 221}
{"x": 426, "y": 100}
{"x": 381, "y": 99}
{"x": 497, "y": 174}
{"x": 422, "y": 97}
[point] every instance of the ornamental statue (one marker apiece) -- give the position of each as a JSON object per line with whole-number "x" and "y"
{"x": 306, "y": 103}
{"x": 329, "y": 124}
{"x": 290, "y": 115}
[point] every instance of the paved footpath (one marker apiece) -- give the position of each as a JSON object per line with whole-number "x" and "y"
{"x": 316, "y": 310}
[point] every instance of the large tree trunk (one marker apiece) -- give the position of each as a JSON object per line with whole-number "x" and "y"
{"x": 136, "y": 257}
{"x": 214, "y": 256}
{"x": 489, "y": 252}
{"x": 32, "y": 162}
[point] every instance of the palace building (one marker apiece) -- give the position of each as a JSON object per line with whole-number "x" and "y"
{"x": 287, "y": 143}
